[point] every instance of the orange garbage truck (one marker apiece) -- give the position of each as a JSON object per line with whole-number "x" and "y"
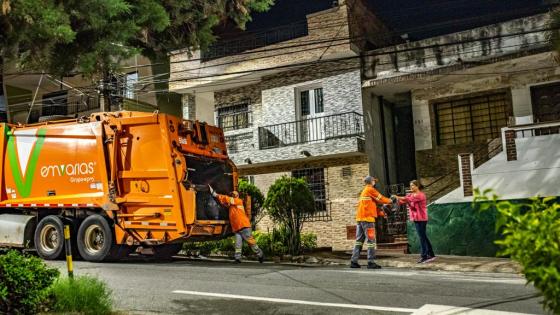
{"x": 123, "y": 182}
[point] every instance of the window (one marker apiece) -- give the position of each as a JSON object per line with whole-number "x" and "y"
{"x": 130, "y": 84}
{"x": 468, "y": 120}
{"x": 315, "y": 178}
{"x": 311, "y": 102}
{"x": 249, "y": 178}
{"x": 232, "y": 117}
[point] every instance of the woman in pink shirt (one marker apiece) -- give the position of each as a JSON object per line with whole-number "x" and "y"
{"x": 418, "y": 213}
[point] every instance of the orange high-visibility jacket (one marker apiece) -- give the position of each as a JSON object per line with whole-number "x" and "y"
{"x": 367, "y": 206}
{"x": 238, "y": 218}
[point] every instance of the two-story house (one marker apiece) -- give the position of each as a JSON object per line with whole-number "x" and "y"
{"x": 486, "y": 114}
{"x": 287, "y": 92}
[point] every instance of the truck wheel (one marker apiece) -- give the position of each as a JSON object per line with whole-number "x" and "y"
{"x": 49, "y": 238}
{"x": 95, "y": 238}
{"x": 166, "y": 251}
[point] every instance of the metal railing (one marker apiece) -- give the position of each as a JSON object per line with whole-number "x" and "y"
{"x": 536, "y": 129}
{"x": 311, "y": 130}
{"x": 450, "y": 181}
{"x": 251, "y": 41}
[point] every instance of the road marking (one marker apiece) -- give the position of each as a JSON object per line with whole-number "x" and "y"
{"x": 289, "y": 301}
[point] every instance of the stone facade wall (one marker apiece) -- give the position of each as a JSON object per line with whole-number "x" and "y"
{"x": 273, "y": 101}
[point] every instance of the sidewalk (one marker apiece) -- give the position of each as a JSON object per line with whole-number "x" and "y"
{"x": 444, "y": 263}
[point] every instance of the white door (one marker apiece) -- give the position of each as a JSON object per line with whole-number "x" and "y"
{"x": 312, "y": 124}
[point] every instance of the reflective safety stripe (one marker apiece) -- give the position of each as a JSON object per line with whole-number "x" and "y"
{"x": 238, "y": 250}
{"x": 365, "y": 198}
{"x": 378, "y": 197}
{"x": 240, "y": 207}
{"x": 359, "y": 243}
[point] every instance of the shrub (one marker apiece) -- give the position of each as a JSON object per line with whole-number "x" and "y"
{"x": 308, "y": 242}
{"x": 24, "y": 283}
{"x": 531, "y": 231}
{"x": 272, "y": 244}
{"x": 84, "y": 294}
{"x": 288, "y": 201}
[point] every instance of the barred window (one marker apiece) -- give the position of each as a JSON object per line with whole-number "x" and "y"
{"x": 473, "y": 119}
{"x": 233, "y": 117}
{"x": 315, "y": 178}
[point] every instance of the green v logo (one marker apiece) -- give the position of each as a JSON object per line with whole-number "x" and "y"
{"x": 23, "y": 158}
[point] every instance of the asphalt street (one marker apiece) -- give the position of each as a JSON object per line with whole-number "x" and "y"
{"x": 205, "y": 287}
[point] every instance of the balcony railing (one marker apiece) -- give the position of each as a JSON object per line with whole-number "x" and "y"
{"x": 311, "y": 130}
{"x": 223, "y": 48}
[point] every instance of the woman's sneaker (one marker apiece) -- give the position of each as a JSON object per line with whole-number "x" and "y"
{"x": 429, "y": 259}
{"x": 421, "y": 260}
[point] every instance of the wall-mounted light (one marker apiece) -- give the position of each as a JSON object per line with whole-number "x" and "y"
{"x": 306, "y": 153}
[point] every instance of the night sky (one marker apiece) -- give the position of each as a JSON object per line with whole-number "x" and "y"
{"x": 418, "y": 18}
{"x": 427, "y": 18}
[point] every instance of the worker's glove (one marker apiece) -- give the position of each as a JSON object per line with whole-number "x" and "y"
{"x": 212, "y": 191}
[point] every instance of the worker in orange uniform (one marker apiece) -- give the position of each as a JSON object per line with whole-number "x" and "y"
{"x": 365, "y": 219}
{"x": 240, "y": 223}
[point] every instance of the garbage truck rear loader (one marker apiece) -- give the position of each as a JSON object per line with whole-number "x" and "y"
{"x": 123, "y": 181}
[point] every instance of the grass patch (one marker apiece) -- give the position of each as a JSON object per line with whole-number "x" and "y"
{"x": 85, "y": 294}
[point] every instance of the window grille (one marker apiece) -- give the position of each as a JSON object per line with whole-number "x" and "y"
{"x": 235, "y": 116}
{"x": 315, "y": 178}
{"x": 473, "y": 119}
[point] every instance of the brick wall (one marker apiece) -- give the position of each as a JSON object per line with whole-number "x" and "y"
{"x": 323, "y": 26}
{"x": 511, "y": 149}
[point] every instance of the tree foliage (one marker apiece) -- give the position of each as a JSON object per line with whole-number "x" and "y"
{"x": 288, "y": 201}
{"x": 94, "y": 36}
{"x": 257, "y": 200}
{"x": 530, "y": 232}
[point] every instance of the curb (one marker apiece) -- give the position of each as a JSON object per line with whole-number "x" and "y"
{"x": 502, "y": 266}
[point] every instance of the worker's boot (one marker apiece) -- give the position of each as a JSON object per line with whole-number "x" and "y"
{"x": 354, "y": 265}
{"x": 372, "y": 265}
{"x": 237, "y": 261}
{"x": 261, "y": 259}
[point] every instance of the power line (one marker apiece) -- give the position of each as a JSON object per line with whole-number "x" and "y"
{"x": 387, "y": 35}
{"x": 391, "y": 52}
{"x": 480, "y": 49}
{"x": 310, "y": 42}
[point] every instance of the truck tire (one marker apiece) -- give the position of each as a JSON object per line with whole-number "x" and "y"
{"x": 49, "y": 238}
{"x": 95, "y": 239}
{"x": 166, "y": 251}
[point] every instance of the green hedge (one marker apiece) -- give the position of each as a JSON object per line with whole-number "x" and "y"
{"x": 272, "y": 244}
{"x": 24, "y": 283}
